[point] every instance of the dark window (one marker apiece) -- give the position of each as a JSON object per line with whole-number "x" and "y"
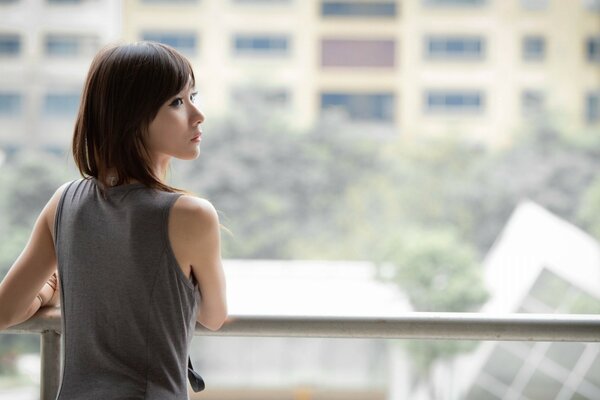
{"x": 534, "y": 4}
{"x": 64, "y": 1}
{"x": 184, "y": 42}
{"x": 593, "y": 49}
{"x": 532, "y": 102}
{"x": 461, "y": 3}
{"x": 453, "y": 101}
{"x": 263, "y": 1}
{"x": 61, "y": 104}
{"x": 67, "y": 45}
{"x": 10, "y": 44}
{"x": 364, "y": 107}
{"x": 592, "y": 107}
{"x": 252, "y": 96}
{"x": 169, "y": 2}
{"x": 358, "y": 9}
{"x": 591, "y": 5}
{"x": 454, "y": 47}
{"x": 534, "y": 48}
{"x": 261, "y": 44}
{"x": 357, "y": 53}
{"x": 10, "y": 104}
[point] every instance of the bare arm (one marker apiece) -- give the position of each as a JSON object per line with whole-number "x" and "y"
{"x": 28, "y": 275}
{"x": 195, "y": 229}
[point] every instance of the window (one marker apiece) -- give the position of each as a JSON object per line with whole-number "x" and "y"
{"x": 10, "y": 44}
{"x": 263, "y": 1}
{"x": 358, "y": 8}
{"x": 185, "y": 42}
{"x": 453, "y": 101}
{"x": 592, "y": 107}
{"x": 169, "y": 2}
{"x": 453, "y": 3}
{"x": 532, "y": 102}
{"x": 266, "y": 96}
{"x": 591, "y": 5}
{"x": 534, "y": 4}
{"x": 71, "y": 45}
{"x": 376, "y": 107}
{"x": 64, "y": 1}
{"x": 357, "y": 53}
{"x": 593, "y": 48}
{"x": 454, "y": 47}
{"x": 61, "y": 104}
{"x": 10, "y": 104}
{"x": 261, "y": 44}
{"x": 534, "y": 48}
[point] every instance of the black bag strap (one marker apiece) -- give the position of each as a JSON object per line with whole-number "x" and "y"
{"x": 195, "y": 379}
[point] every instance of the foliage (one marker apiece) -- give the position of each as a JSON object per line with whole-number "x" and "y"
{"x": 273, "y": 186}
{"x": 28, "y": 181}
{"x": 438, "y": 272}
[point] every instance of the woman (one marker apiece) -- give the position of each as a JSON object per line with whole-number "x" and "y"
{"x": 132, "y": 253}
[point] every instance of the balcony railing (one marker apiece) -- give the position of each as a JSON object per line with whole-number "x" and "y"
{"x": 416, "y": 325}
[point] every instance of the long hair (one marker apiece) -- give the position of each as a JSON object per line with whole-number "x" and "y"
{"x": 125, "y": 87}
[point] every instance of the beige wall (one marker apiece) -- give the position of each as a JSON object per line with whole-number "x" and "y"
{"x": 565, "y": 75}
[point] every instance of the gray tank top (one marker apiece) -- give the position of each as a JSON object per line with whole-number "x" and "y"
{"x": 128, "y": 311}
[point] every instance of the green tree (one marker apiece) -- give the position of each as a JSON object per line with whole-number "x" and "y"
{"x": 438, "y": 272}
{"x": 273, "y": 185}
{"x": 28, "y": 180}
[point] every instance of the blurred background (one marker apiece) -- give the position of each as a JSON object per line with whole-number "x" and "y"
{"x": 367, "y": 158}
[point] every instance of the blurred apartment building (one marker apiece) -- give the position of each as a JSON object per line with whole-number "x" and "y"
{"x": 479, "y": 68}
{"x": 482, "y": 68}
{"x": 46, "y": 47}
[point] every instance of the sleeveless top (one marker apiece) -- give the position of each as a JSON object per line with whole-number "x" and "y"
{"x": 128, "y": 310}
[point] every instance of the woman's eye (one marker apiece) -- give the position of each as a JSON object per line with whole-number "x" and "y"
{"x": 174, "y": 103}
{"x": 193, "y": 97}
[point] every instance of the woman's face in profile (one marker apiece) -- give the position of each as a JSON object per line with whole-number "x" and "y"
{"x": 176, "y": 128}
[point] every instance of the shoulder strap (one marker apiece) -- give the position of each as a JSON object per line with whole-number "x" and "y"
{"x": 195, "y": 379}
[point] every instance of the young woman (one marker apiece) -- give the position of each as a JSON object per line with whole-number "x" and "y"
{"x": 133, "y": 262}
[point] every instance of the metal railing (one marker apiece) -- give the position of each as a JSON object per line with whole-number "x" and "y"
{"x": 415, "y": 325}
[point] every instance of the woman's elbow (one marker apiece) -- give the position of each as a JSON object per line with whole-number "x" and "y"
{"x": 214, "y": 323}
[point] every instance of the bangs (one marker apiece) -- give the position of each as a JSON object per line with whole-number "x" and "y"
{"x": 163, "y": 71}
{"x": 177, "y": 68}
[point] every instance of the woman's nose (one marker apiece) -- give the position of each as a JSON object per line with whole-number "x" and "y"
{"x": 197, "y": 115}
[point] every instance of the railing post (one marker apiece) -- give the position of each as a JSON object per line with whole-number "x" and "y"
{"x": 50, "y": 376}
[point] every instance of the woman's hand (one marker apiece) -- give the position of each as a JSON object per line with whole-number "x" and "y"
{"x": 50, "y": 294}
{"x": 55, "y": 299}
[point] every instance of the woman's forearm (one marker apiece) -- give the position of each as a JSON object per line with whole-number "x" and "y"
{"x": 45, "y": 297}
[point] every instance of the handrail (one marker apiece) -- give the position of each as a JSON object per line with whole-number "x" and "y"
{"x": 414, "y": 325}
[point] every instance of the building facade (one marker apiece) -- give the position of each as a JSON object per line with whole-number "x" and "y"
{"x": 483, "y": 69}
{"x": 46, "y": 47}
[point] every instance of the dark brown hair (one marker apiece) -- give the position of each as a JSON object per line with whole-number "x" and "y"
{"x": 125, "y": 87}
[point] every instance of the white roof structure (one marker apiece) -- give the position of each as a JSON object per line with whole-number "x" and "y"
{"x": 309, "y": 288}
{"x": 302, "y": 288}
{"x": 532, "y": 240}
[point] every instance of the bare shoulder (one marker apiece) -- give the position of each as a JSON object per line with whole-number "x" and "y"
{"x": 194, "y": 213}
{"x": 50, "y": 208}
{"x": 194, "y": 233}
